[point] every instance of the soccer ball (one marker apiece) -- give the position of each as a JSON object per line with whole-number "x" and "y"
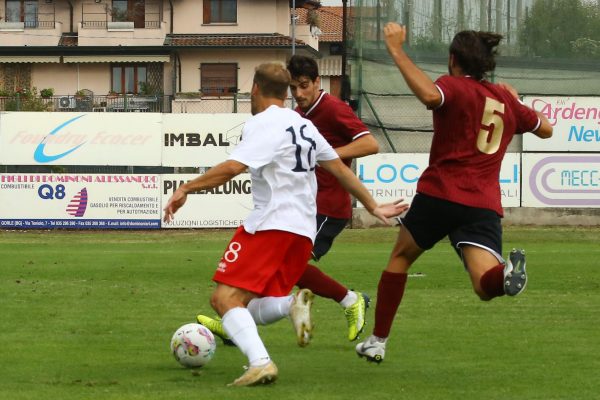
{"x": 193, "y": 345}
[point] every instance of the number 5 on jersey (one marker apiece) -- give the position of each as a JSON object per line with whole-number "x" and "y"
{"x": 490, "y": 136}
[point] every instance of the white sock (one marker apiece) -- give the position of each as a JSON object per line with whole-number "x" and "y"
{"x": 240, "y": 327}
{"x": 378, "y": 339}
{"x": 266, "y": 310}
{"x": 350, "y": 299}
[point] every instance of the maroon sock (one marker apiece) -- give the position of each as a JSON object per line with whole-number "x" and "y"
{"x": 321, "y": 284}
{"x": 389, "y": 295}
{"x": 492, "y": 282}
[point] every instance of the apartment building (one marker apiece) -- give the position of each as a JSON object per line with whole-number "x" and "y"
{"x": 182, "y": 48}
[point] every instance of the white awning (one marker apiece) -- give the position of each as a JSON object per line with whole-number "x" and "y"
{"x": 29, "y": 59}
{"x": 330, "y": 66}
{"x": 117, "y": 58}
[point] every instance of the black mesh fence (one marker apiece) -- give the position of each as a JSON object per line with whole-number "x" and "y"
{"x": 549, "y": 48}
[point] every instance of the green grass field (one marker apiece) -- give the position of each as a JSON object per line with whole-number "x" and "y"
{"x": 89, "y": 315}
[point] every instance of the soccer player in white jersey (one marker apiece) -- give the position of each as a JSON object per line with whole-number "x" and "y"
{"x": 269, "y": 252}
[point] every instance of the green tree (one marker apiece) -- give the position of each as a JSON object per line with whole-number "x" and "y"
{"x": 561, "y": 28}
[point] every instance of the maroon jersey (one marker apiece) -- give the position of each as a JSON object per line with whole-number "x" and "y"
{"x": 472, "y": 129}
{"x": 339, "y": 125}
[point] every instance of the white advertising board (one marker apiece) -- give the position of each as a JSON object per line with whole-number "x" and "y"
{"x": 69, "y": 138}
{"x": 200, "y": 140}
{"x": 77, "y": 201}
{"x": 561, "y": 180}
{"x": 389, "y": 177}
{"x": 576, "y": 123}
{"x": 225, "y": 206}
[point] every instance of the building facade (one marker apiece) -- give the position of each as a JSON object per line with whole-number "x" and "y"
{"x": 144, "y": 48}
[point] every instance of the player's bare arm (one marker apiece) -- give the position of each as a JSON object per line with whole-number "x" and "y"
{"x": 216, "y": 176}
{"x": 545, "y": 129}
{"x": 351, "y": 183}
{"x": 418, "y": 81}
{"x": 362, "y": 146}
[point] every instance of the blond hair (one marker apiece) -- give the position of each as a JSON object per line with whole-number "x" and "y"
{"x": 272, "y": 79}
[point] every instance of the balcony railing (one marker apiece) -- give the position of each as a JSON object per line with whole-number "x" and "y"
{"x": 91, "y": 103}
{"x": 180, "y": 103}
{"x": 34, "y": 22}
{"x": 42, "y": 16}
{"x": 98, "y": 15}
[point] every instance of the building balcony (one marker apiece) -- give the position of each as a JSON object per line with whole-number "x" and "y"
{"x": 17, "y": 26}
{"x": 99, "y": 15}
{"x": 121, "y": 33}
{"x": 18, "y": 33}
{"x": 139, "y": 26}
{"x": 86, "y": 103}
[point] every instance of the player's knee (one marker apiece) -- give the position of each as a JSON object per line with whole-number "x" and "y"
{"x": 215, "y": 301}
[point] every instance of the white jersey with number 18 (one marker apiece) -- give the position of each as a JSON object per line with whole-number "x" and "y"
{"x": 281, "y": 150}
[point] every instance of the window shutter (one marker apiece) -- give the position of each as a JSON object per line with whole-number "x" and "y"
{"x": 206, "y": 12}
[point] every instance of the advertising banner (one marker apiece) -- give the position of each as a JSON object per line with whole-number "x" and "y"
{"x": 199, "y": 140}
{"x": 389, "y": 177}
{"x": 561, "y": 180}
{"x": 71, "y": 138}
{"x": 78, "y": 201}
{"x": 576, "y": 123}
{"x": 225, "y": 206}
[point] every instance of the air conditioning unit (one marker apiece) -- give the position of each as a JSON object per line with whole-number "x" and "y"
{"x": 66, "y": 102}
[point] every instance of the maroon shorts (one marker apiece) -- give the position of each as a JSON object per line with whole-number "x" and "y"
{"x": 268, "y": 263}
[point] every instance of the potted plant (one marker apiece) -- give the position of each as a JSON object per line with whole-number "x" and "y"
{"x": 112, "y": 94}
{"x": 188, "y": 95}
{"x": 21, "y": 91}
{"x": 47, "y": 93}
{"x": 147, "y": 89}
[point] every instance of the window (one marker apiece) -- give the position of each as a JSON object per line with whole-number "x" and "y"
{"x": 129, "y": 11}
{"x": 218, "y": 79}
{"x": 22, "y": 11}
{"x": 336, "y": 49}
{"x": 220, "y": 11}
{"x": 128, "y": 78}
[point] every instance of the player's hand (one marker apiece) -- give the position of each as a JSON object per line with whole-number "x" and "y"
{"x": 175, "y": 203}
{"x": 395, "y": 36}
{"x": 389, "y": 210}
{"x": 509, "y": 89}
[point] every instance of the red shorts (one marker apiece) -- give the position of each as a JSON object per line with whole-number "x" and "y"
{"x": 268, "y": 263}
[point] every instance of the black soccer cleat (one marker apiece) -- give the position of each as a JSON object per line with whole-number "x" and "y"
{"x": 515, "y": 276}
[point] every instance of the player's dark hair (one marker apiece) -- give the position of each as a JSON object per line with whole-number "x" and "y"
{"x": 475, "y": 51}
{"x": 272, "y": 80}
{"x": 303, "y": 66}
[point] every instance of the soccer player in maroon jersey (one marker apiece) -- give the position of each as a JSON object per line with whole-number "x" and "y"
{"x": 350, "y": 138}
{"x": 458, "y": 194}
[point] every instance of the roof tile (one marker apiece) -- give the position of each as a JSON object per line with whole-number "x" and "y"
{"x": 331, "y": 22}
{"x": 69, "y": 39}
{"x": 230, "y": 40}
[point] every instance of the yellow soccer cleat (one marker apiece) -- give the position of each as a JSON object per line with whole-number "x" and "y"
{"x": 216, "y": 327}
{"x": 355, "y": 315}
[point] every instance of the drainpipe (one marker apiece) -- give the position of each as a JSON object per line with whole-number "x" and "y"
{"x": 71, "y": 15}
{"x": 179, "y": 70}
{"x": 172, "y": 12}
{"x": 345, "y": 95}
